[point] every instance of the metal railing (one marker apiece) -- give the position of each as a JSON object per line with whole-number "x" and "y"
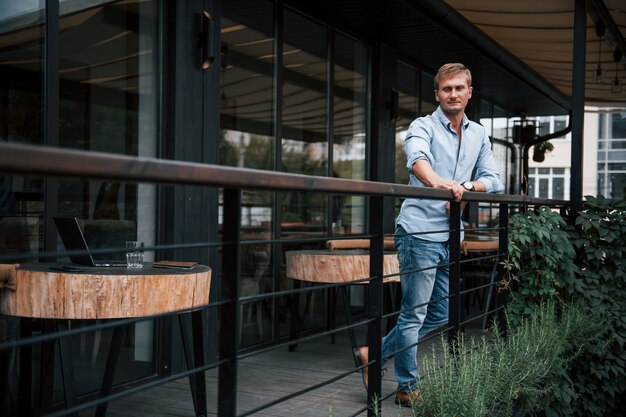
{"x": 56, "y": 162}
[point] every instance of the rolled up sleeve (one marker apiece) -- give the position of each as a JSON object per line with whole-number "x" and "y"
{"x": 486, "y": 169}
{"x": 417, "y": 144}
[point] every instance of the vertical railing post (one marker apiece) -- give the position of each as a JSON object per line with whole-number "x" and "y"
{"x": 375, "y": 309}
{"x": 503, "y": 250}
{"x": 454, "y": 291}
{"x": 229, "y": 311}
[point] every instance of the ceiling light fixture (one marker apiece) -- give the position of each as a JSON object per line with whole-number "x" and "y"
{"x": 616, "y": 85}
{"x": 599, "y": 74}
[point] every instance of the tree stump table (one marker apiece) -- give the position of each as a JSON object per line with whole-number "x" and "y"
{"x": 332, "y": 267}
{"x": 42, "y": 291}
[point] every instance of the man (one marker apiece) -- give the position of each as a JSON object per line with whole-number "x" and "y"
{"x": 442, "y": 150}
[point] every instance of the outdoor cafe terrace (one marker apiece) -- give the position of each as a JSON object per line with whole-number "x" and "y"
{"x": 308, "y": 367}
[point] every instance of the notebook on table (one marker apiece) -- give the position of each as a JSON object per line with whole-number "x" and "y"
{"x": 74, "y": 240}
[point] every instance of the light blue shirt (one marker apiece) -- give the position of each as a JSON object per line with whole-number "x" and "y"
{"x": 432, "y": 138}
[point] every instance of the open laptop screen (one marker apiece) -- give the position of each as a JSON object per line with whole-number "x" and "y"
{"x": 74, "y": 240}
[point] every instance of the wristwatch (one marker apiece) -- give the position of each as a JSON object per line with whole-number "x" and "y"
{"x": 469, "y": 186}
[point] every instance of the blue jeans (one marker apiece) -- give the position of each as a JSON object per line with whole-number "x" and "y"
{"x": 418, "y": 289}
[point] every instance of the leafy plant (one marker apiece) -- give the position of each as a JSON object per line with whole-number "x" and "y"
{"x": 545, "y": 146}
{"x": 540, "y": 149}
{"x": 542, "y": 264}
{"x": 600, "y": 241}
{"x": 540, "y": 261}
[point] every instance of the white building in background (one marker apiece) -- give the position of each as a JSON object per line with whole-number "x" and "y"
{"x": 604, "y": 157}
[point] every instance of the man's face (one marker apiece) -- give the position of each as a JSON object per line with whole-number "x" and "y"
{"x": 453, "y": 94}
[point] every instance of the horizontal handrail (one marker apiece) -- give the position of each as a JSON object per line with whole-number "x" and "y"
{"x": 63, "y": 162}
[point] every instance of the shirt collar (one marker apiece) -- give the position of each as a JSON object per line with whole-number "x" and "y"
{"x": 444, "y": 120}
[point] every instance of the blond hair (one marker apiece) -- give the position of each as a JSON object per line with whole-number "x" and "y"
{"x": 452, "y": 70}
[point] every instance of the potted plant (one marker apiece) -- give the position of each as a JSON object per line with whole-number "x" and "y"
{"x": 540, "y": 149}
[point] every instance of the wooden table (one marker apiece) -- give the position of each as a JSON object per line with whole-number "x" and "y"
{"x": 43, "y": 292}
{"x": 335, "y": 266}
{"x": 331, "y": 267}
{"x": 104, "y": 293}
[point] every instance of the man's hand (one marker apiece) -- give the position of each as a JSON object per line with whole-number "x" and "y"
{"x": 456, "y": 188}
{"x": 425, "y": 173}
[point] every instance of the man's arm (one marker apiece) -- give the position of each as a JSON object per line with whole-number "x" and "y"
{"x": 425, "y": 173}
{"x": 486, "y": 169}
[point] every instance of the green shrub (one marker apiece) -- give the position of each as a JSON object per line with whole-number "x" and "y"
{"x": 600, "y": 242}
{"x": 502, "y": 377}
{"x": 542, "y": 264}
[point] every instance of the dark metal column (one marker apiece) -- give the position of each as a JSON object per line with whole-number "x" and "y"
{"x": 229, "y": 311}
{"x": 578, "y": 105}
{"x": 454, "y": 314}
{"x": 375, "y": 309}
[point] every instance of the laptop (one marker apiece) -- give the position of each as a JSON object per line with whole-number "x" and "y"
{"x": 74, "y": 240}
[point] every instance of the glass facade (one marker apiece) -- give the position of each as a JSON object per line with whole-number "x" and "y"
{"x": 318, "y": 126}
{"x": 21, "y": 121}
{"x": 407, "y": 82}
{"x": 107, "y": 102}
{"x": 612, "y": 154}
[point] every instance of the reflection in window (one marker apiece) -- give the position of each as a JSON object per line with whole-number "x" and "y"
{"x": 247, "y": 140}
{"x": 407, "y": 84}
{"x": 107, "y": 102}
{"x": 21, "y": 120}
{"x": 618, "y": 125}
{"x": 617, "y": 185}
{"x": 349, "y": 129}
{"x": 246, "y": 101}
{"x": 305, "y": 126}
{"x": 428, "y": 103}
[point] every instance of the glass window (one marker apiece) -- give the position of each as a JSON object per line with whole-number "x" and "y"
{"x": 617, "y": 185}
{"x": 560, "y": 123}
{"x": 549, "y": 183}
{"x": 21, "y": 121}
{"x": 618, "y": 125}
{"x": 428, "y": 104}
{"x": 602, "y": 121}
{"x": 558, "y": 188}
{"x": 486, "y": 114}
{"x": 305, "y": 126}
{"x": 108, "y": 90}
{"x": 617, "y": 144}
{"x": 543, "y": 188}
{"x": 247, "y": 140}
{"x": 531, "y": 187}
{"x": 349, "y": 129}
{"x": 246, "y": 104}
{"x": 408, "y": 91}
{"x": 616, "y": 156}
{"x": 406, "y": 84}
